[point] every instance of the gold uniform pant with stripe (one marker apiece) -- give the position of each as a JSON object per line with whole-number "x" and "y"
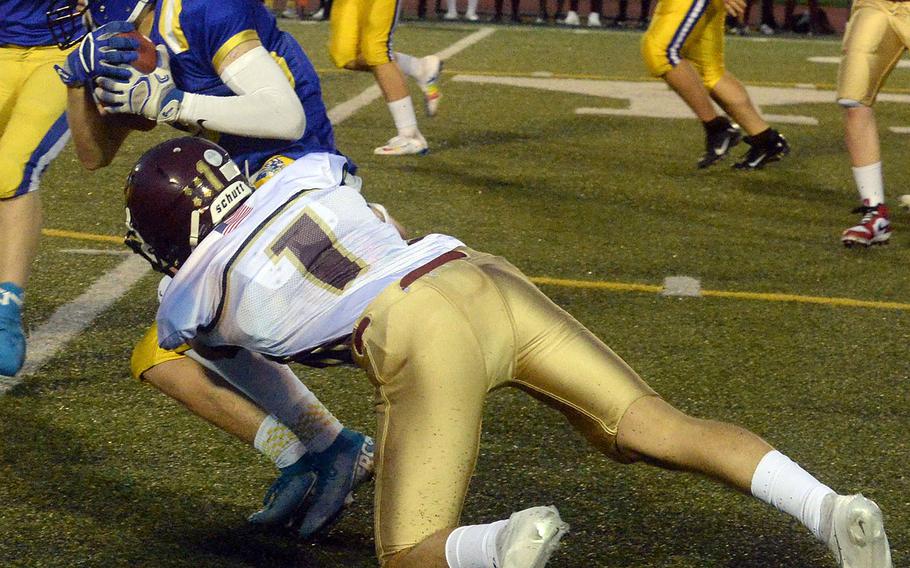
{"x": 33, "y": 126}
{"x": 434, "y": 351}
{"x": 362, "y": 29}
{"x": 686, "y": 29}
{"x": 877, "y": 35}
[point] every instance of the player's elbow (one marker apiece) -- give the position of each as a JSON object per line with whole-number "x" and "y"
{"x": 292, "y": 122}
{"x": 93, "y": 161}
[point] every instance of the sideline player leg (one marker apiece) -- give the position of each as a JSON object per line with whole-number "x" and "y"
{"x": 684, "y": 46}
{"x": 360, "y": 40}
{"x": 33, "y": 130}
{"x": 872, "y": 47}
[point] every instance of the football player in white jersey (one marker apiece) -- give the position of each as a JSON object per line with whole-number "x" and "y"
{"x": 305, "y": 262}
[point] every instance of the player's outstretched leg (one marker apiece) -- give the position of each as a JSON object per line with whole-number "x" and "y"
{"x": 12, "y": 337}
{"x": 850, "y": 525}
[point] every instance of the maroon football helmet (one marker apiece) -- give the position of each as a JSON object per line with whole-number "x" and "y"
{"x": 176, "y": 194}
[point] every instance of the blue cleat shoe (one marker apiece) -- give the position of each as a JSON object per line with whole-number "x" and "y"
{"x": 341, "y": 468}
{"x": 12, "y": 336}
{"x": 284, "y": 501}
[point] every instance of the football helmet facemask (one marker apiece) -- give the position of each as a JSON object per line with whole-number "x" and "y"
{"x": 63, "y": 16}
{"x": 176, "y": 194}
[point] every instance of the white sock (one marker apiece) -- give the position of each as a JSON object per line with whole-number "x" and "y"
{"x": 472, "y": 7}
{"x": 870, "y": 184}
{"x": 276, "y": 441}
{"x": 276, "y": 389}
{"x": 403, "y": 114}
{"x": 781, "y": 482}
{"x": 452, "y": 9}
{"x": 474, "y": 546}
{"x": 409, "y": 65}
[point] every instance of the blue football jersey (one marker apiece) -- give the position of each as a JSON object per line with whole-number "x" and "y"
{"x": 200, "y": 33}
{"x": 24, "y": 22}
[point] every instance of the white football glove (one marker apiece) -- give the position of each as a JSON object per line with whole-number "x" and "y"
{"x": 152, "y": 95}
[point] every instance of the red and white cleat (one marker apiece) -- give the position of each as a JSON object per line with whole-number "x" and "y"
{"x": 873, "y": 229}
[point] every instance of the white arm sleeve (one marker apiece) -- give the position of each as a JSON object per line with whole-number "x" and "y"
{"x": 266, "y": 105}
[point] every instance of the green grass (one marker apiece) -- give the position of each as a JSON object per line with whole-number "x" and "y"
{"x": 99, "y": 471}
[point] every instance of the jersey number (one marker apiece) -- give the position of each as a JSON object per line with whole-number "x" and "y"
{"x": 312, "y": 247}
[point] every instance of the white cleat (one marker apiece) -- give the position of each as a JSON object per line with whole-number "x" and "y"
{"x": 450, "y": 16}
{"x": 594, "y": 20}
{"x": 857, "y": 537}
{"x": 429, "y": 83}
{"x": 471, "y": 16}
{"x": 404, "y": 146}
{"x": 571, "y": 19}
{"x": 904, "y": 201}
{"x": 530, "y": 537}
{"x": 318, "y": 15}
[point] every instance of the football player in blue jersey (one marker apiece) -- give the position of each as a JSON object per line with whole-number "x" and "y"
{"x": 226, "y": 71}
{"x": 33, "y": 130}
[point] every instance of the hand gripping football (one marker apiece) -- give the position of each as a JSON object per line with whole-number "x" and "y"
{"x": 148, "y": 57}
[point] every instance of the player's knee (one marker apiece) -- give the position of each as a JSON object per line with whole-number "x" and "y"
{"x": 394, "y": 559}
{"x": 654, "y": 55}
{"x": 11, "y": 179}
{"x": 711, "y": 76}
{"x": 342, "y": 57}
{"x": 375, "y": 54}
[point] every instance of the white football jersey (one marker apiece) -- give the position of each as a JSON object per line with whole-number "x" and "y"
{"x": 292, "y": 269}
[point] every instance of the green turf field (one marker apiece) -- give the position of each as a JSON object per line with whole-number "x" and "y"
{"x": 96, "y": 470}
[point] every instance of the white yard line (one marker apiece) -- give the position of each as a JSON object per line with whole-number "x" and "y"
{"x": 72, "y": 318}
{"x": 345, "y": 110}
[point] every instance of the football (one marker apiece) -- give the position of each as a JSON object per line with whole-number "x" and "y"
{"x": 148, "y": 57}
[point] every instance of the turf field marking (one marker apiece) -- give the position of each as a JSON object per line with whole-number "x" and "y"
{"x": 656, "y": 100}
{"x": 82, "y": 236}
{"x": 633, "y": 287}
{"x": 97, "y": 252}
{"x": 757, "y": 296}
{"x": 343, "y": 111}
{"x": 835, "y": 60}
{"x": 681, "y": 286}
{"x": 72, "y": 318}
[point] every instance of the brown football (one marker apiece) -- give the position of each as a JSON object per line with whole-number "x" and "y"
{"x": 148, "y": 57}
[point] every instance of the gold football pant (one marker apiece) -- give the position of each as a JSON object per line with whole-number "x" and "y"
{"x": 877, "y": 35}
{"x": 33, "y": 126}
{"x": 686, "y": 29}
{"x": 362, "y": 28}
{"x": 434, "y": 351}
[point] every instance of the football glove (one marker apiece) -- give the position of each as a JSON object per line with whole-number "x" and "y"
{"x": 97, "y": 54}
{"x": 152, "y": 95}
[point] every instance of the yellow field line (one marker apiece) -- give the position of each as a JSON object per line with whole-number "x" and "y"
{"x": 81, "y": 236}
{"x": 759, "y": 296}
{"x": 611, "y": 286}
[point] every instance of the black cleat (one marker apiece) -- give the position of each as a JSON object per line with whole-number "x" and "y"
{"x": 718, "y": 144}
{"x": 763, "y": 152}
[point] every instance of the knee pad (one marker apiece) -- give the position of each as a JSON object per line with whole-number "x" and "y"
{"x": 11, "y": 182}
{"x": 654, "y": 54}
{"x": 342, "y": 55}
